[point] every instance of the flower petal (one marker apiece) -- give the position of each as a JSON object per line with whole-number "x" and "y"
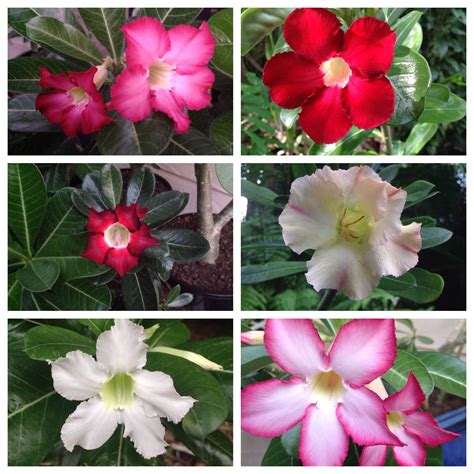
{"x": 410, "y": 397}
{"x": 159, "y": 397}
{"x": 147, "y": 433}
{"x": 314, "y": 33}
{"x": 72, "y": 122}
{"x": 324, "y": 117}
{"x": 96, "y": 249}
{"x": 309, "y": 220}
{"x": 85, "y": 80}
{"x": 141, "y": 240}
{"x": 121, "y": 260}
{"x": 192, "y": 90}
{"x": 121, "y": 349}
{"x": 147, "y": 40}
{"x": 427, "y": 429}
{"x": 364, "y": 418}
{"x": 342, "y": 268}
{"x": 164, "y": 101}
{"x": 89, "y": 426}
{"x": 363, "y": 350}
{"x": 55, "y": 81}
{"x": 95, "y": 117}
{"x": 131, "y": 94}
{"x": 53, "y": 104}
{"x": 323, "y": 441}
{"x": 127, "y": 216}
{"x": 295, "y": 345}
{"x": 369, "y": 45}
{"x": 373, "y": 455}
{"x": 272, "y": 407}
{"x": 291, "y": 79}
{"x": 413, "y": 453}
{"x": 77, "y": 376}
{"x": 369, "y": 103}
{"x": 190, "y": 46}
{"x": 100, "y": 221}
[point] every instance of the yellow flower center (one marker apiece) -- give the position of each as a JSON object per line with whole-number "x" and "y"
{"x": 326, "y": 387}
{"x": 79, "y": 96}
{"x": 159, "y": 75}
{"x": 117, "y": 236}
{"x": 395, "y": 419}
{"x": 117, "y": 393}
{"x": 336, "y": 72}
{"x": 354, "y": 226}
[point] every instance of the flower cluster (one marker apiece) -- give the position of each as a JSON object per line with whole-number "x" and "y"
{"x": 165, "y": 71}
{"x": 330, "y": 395}
{"x": 336, "y": 77}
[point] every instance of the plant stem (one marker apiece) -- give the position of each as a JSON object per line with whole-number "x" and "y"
{"x": 326, "y": 300}
{"x": 387, "y": 137}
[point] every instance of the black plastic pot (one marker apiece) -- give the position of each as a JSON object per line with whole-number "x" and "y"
{"x": 206, "y": 301}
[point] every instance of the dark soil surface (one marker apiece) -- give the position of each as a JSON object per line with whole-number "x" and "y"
{"x": 202, "y": 329}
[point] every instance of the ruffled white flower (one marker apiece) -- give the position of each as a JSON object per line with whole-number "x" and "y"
{"x": 115, "y": 389}
{"x": 352, "y": 219}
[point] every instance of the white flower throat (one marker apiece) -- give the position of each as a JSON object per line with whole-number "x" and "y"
{"x": 354, "y": 225}
{"x": 336, "y": 72}
{"x": 117, "y": 236}
{"x": 118, "y": 392}
{"x": 326, "y": 387}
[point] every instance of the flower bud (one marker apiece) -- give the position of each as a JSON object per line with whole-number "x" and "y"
{"x": 191, "y": 356}
{"x": 102, "y": 72}
{"x": 252, "y": 338}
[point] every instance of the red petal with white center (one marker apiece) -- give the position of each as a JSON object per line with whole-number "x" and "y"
{"x": 291, "y": 79}
{"x": 164, "y": 101}
{"x": 100, "y": 221}
{"x": 121, "y": 260}
{"x": 369, "y": 45}
{"x": 373, "y": 455}
{"x": 295, "y": 345}
{"x": 192, "y": 90}
{"x": 323, "y": 441}
{"x": 127, "y": 216}
{"x": 363, "y": 350}
{"x": 324, "y": 117}
{"x": 190, "y": 46}
{"x": 369, "y": 103}
{"x": 71, "y": 122}
{"x": 413, "y": 453}
{"x": 131, "y": 94}
{"x": 410, "y": 397}
{"x": 273, "y": 407}
{"x": 55, "y": 81}
{"x": 314, "y": 33}
{"x": 141, "y": 240}
{"x": 96, "y": 249}
{"x": 95, "y": 116}
{"x": 364, "y": 418}
{"x": 427, "y": 429}
{"x": 53, "y": 104}
{"x": 147, "y": 40}
{"x": 85, "y": 80}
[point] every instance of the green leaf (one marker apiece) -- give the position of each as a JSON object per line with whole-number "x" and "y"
{"x": 26, "y": 203}
{"x": 419, "y": 136}
{"x": 53, "y": 342}
{"x": 82, "y": 169}
{"x": 251, "y": 274}
{"x": 63, "y": 39}
{"x": 38, "y": 276}
{"x": 147, "y": 137}
{"x": 428, "y": 288}
{"x": 253, "y": 358}
{"x": 390, "y": 15}
{"x": 410, "y": 75}
{"x": 111, "y": 185}
{"x": 24, "y": 73}
{"x": 256, "y": 23}
{"x": 221, "y": 25}
{"x": 434, "y": 456}
{"x": 84, "y": 202}
{"x": 288, "y": 117}
{"x": 221, "y": 133}
{"x": 139, "y": 292}
{"x": 257, "y": 193}
{"x": 173, "y": 16}
{"x": 345, "y": 146}
{"x": 291, "y": 440}
{"x": 389, "y": 173}
{"x": 448, "y": 372}
{"x": 276, "y": 455}
{"x": 442, "y": 106}
{"x": 185, "y": 245}
{"x": 225, "y": 173}
{"x": 97, "y": 326}
{"x": 18, "y": 17}
{"x": 82, "y": 295}
{"x": 433, "y": 236}
{"x": 105, "y": 24}
{"x": 193, "y": 142}
{"x": 23, "y": 116}
{"x": 164, "y": 206}
{"x": 171, "y": 333}
{"x": 404, "y": 26}
{"x": 405, "y": 363}
{"x": 158, "y": 259}
{"x": 189, "y": 379}
{"x": 91, "y": 184}
{"x": 140, "y": 187}
{"x": 414, "y": 40}
{"x": 15, "y": 292}
{"x": 401, "y": 283}
{"x": 417, "y": 191}
{"x": 426, "y": 221}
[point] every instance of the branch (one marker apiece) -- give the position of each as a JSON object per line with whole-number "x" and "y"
{"x": 224, "y": 216}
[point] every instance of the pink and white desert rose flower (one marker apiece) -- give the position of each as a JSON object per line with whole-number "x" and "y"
{"x": 115, "y": 389}
{"x": 352, "y": 219}
{"x": 327, "y": 392}
{"x": 411, "y": 426}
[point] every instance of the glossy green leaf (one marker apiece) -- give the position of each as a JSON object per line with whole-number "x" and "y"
{"x": 389, "y": 173}
{"x": 419, "y": 136}
{"x": 45, "y": 301}
{"x": 276, "y": 455}
{"x": 414, "y": 40}
{"x": 56, "y": 176}
{"x": 180, "y": 301}
{"x": 390, "y": 15}
{"x": 401, "y": 283}
{"x": 185, "y": 245}
{"x": 225, "y": 174}
{"x": 417, "y": 192}
{"x": 433, "y": 236}
{"x": 37, "y": 276}
{"x": 23, "y": 116}
{"x": 428, "y": 288}
{"x": 171, "y": 333}
{"x": 139, "y": 292}
{"x": 26, "y": 203}
{"x": 253, "y": 358}
{"x": 82, "y": 295}
{"x": 221, "y": 133}
{"x": 173, "y": 16}
{"x": 18, "y": 17}
{"x": 442, "y": 106}
{"x": 140, "y": 187}
{"x": 15, "y": 292}
{"x": 158, "y": 259}
{"x": 251, "y": 274}
{"x": 291, "y": 439}
{"x": 193, "y": 142}
{"x": 82, "y": 169}
{"x": 111, "y": 185}
{"x": 288, "y": 117}
{"x": 345, "y": 146}
{"x": 91, "y": 184}
{"x": 221, "y": 24}
{"x": 96, "y": 325}
{"x": 257, "y": 193}
{"x": 162, "y": 207}
{"x": 84, "y": 202}
{"x": 434, "y": 456}
{"x": 405, "y": 24}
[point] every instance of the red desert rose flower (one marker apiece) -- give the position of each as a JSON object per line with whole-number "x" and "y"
{"x": 337, "y": 78}
{"x": 74, "y": 102}
{"x": 166, "y": 71}
{"x": 117, "y": 238}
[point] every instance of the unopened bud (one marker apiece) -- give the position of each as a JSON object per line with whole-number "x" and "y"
{"x": 102, "y": 72}
{"x": 198, "y": 359}
{"x": 252, "y": 338}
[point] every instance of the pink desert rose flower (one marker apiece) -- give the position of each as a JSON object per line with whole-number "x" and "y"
{"x": 73, "y": 102}
{"x": 412, "y": 427}
{"x": 327, "y": 392}
{"x": 117, "y": 238}
{"x": 352, "y": 219}
{"x": 166, "y": 71}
